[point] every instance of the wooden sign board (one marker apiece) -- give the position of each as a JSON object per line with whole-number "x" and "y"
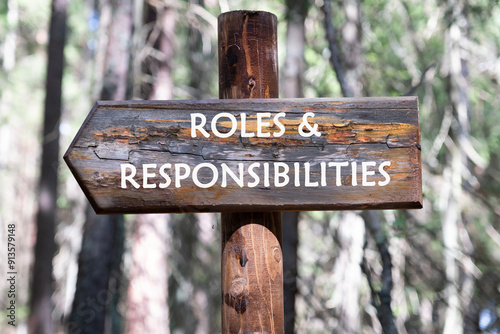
{"x": 249, "y": 155}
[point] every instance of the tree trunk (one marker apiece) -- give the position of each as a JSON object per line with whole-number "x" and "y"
{"x": 451, "y": 201}
{"x": 346, "y": 60}
{"x": 295, "y": 66}
{"x": 94, "y": 293}
{"x": 351, "y": 48}
{"x": 160, "y": 64}
{"x": 351, "y": 236}
{"x": 99, "y": 276}
{"x": 147, "y": 308}
{"x": 200, "y": 81}
{"x": 351, "y": 230}
{"x": 147, "y": 296}
{"x": 40, "y": 318}
{"x": 293, "y": 87}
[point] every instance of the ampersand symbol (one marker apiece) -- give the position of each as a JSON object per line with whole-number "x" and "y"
{"x": 312, "y": 129}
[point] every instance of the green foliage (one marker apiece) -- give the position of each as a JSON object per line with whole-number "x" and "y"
{"x": 405, "y": 46}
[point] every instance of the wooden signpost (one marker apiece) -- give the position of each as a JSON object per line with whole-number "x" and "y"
{"x": 250, "y": 159}
{"x": 249, "y": 155}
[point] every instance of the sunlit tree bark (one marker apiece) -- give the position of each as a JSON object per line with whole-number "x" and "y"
{"x": 147, "y": 308}
{"x": 452, "y": 196}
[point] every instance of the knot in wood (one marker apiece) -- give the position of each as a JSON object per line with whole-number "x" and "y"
{"x": 277, "y": 254}
{"x": 251, "y": 83}
{"x": 99, "y": 180}
{"x": 237, "y": 286}
{"x": 237, "y": 297}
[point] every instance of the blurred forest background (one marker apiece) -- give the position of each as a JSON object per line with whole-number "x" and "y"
{"x": 434, "y": 270}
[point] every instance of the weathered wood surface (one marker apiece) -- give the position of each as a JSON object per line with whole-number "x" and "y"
{"x": 248, "y": 55}
{"x": 252, "y": 273}
{"x": 251, "y": 259}
{"x": 159, "y": 132}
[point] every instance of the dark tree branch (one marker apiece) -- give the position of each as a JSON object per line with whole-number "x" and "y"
{"x": 365, "y": 268}
{"x": 423, "y": 78}
{"x": 40, "y": 317}
{"x": 99, "y": 274}
{"x": 335, "y": 56}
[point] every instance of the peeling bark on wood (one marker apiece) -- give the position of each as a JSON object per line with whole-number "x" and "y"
{"x": 159, "y": 132}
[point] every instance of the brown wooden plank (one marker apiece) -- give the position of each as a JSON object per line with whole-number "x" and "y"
{"x": 159, "y": 132}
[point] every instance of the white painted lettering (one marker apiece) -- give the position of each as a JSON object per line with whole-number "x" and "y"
{"x": 354, "y": 178}
{"x": 179, "y": 176}
{"x": 146, "y": 174}
{"x": 215, "y": 175}
{"x": 279, "y": 124}
{"x": 256, "y": 174}
{"x": 261, "y": 124}
{"x": 384, "y": 173}
{"x": 163, "y": 174}
{"x": 323, "y": 173}
{"x": 366, "y": 173}
{"x": 338, "y": 171}
{"x": 226, "y": 170}
{"x": 200, "y": 126}
{"x": 130, "y": 177}
{"x": 244, "y": 132}
{"x": 307, "y": 173}
{"x": 234, "y": 125}
{"x": 256, "y": 178}
{"x": 296, "y": 167}
{"x": 281, "y": 175}
{"x": 266, "y": 175}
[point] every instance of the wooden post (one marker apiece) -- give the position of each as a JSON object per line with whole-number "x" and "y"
{"x": 252, "y": 270}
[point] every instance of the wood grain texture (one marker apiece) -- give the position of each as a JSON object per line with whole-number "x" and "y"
{"x": 159, "y": 132}
{"x": 248, "y": 55}
{"x": 252, "y": 273}
{"x": 252, "y": 286}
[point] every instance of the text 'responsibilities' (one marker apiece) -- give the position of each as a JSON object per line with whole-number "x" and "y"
{"x": 257, "y": 174}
